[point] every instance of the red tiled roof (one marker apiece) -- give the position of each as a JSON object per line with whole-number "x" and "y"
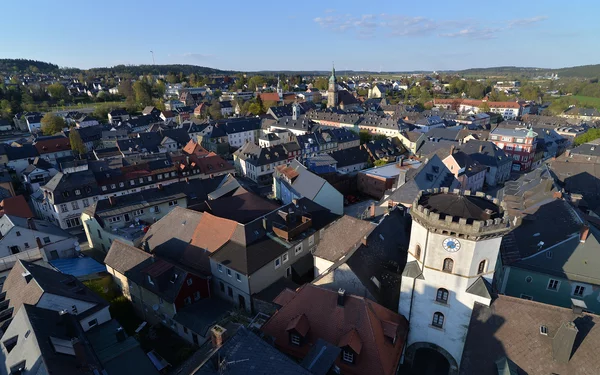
{"x": 284, "y": 297}
{"x": 299, "y": 324}
{"x": 351, "y": 340}
{"x": 269, "y": 96}
{"x": 158, "y": 268}
{"x": 212, "y": 232}
{"x": 360, "y": 324}
{"x": 53, "y": 145}
{"x": 213, "y": 164}
{"x": 16, "y": 206}
{"x": 194, "y": 148}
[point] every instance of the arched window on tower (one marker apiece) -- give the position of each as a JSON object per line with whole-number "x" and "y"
{"x": 438, "y": 320}
{"x": 448, "y": 265}
{"x": 418, "y": 252}
{"x": 442, "y": 295}
{"x": 482, "y": 267}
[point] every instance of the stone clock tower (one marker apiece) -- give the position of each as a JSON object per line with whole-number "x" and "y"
{"x": 454, "y": 245}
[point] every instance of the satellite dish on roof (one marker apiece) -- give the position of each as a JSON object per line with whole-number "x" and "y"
{"x": 155, "y": 307}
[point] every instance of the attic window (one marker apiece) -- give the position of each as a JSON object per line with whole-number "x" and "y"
{"x": 549, "y": 254}
{"x": 544, "y": 330}
{"x": 10, "y": 343}
{"x": 174, "y": 278}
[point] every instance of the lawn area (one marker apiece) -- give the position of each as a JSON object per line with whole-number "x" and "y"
{"x": 589, "y": 100}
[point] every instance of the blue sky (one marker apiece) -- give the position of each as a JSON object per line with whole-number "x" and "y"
{"x": 393, "y": 35}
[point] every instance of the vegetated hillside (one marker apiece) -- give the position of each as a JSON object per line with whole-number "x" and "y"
{"x": 584, "y": 71}
{"x": 137, "y": 70}
{"x": 25, "y": 65}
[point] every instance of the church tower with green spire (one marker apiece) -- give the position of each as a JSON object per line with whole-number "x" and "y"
{"x": 332, "y": 94}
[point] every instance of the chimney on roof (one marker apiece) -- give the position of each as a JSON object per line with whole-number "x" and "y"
{"x": 111, "y": 200}
{"x": 39, "y": 242}
{"x": 79, "y": 350}
{"x": 31, "y": 224}
{"x": 480, "y": 148}
{"x": 341, "y": 297}
{"x": 452, "y": 149}
{"x": 563, "y": 341}
{"x": 584, "y": 233}
{"x": 121, "y": 336}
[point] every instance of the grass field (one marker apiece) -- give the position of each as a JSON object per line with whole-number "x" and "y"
{"x": 595, "y": 102}
{"x": 56, "y": 108}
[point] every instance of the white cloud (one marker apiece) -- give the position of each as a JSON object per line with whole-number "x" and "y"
{"x": 526, "y": 21}
{"x": 397, "y": 25}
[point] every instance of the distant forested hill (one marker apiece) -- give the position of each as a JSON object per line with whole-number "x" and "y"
{"x": 584, "y": 71}
{"x": 24, "y": 65}
{"x": 137, "y": 70}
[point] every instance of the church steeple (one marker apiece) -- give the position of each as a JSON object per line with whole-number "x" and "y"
{"x": 279, "y": 89}
{"x": 332, "y": 95}
{"x": 333, "y": 78}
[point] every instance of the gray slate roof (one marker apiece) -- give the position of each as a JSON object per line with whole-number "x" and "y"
{"x": 510, "y": 328}
{"x": 246, "y": 353}
{"x": 342, "y": 237}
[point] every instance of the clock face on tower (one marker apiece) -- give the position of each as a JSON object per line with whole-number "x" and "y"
{"x": 451, "y": 245}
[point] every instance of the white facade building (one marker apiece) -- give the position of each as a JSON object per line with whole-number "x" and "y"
{"x": 454, "y": 245}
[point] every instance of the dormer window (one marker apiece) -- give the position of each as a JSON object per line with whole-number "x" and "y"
{"x": 150, "y": 280}
{"x": 295, "y": 339}
{"x": 77, "y": 192}
{"x": 347, "y": 356}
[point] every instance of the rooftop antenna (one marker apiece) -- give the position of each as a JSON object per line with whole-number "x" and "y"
{"x": 153, "y": 63}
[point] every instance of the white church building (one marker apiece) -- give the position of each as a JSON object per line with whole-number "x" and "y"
{"x": 454, "y": 245}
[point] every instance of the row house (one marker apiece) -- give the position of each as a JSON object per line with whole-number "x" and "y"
{"x": 257, "y": 163}
{"x": 519, "y": 144}
{"x": 508, "y": 110}
{"x": 158, "y": 289}
{"x": 66, "y": 195}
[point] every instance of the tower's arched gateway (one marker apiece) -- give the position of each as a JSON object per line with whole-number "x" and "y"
{"x": 454, "y": 245}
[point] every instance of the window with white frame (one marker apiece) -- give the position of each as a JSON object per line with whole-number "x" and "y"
{"x": 75, "y": 205}
{"x": 189, "y": 281}
{"x": 238, "y": 277}
{"x": 229, "y": 272}
{"x": 553, "y": 285}
{"x": 285, "y": 257}
{"x": 86, "y": 203}
{"x": 220, "y": 267}
{"x": 578, "y": 292}
{"x": 295, "y": 339}
{"x": 311, "y": 240}
{"x": 348, "y": 356}
{"x": 63, "y": 208}
{"x": 277, "y": 263}
{"x": 298, "y": 249}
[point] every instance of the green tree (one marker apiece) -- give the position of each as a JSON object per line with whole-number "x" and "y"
{"x": 588, "y": 136}
{"x": 215, "y": 110}
{"x": 77, "y": 145}
{"x": 484, "y": 107}
{"x": 52, "y": 124}
{"x": 379, "y": 163}
{"x": 58, "y": 91}
{"x": 143, "y": 93}
{"x": 364, "y": 136}
{"x": 321, "y": 83}
{"x": 5, "y": 109}
{"x": 126, "y": 89}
